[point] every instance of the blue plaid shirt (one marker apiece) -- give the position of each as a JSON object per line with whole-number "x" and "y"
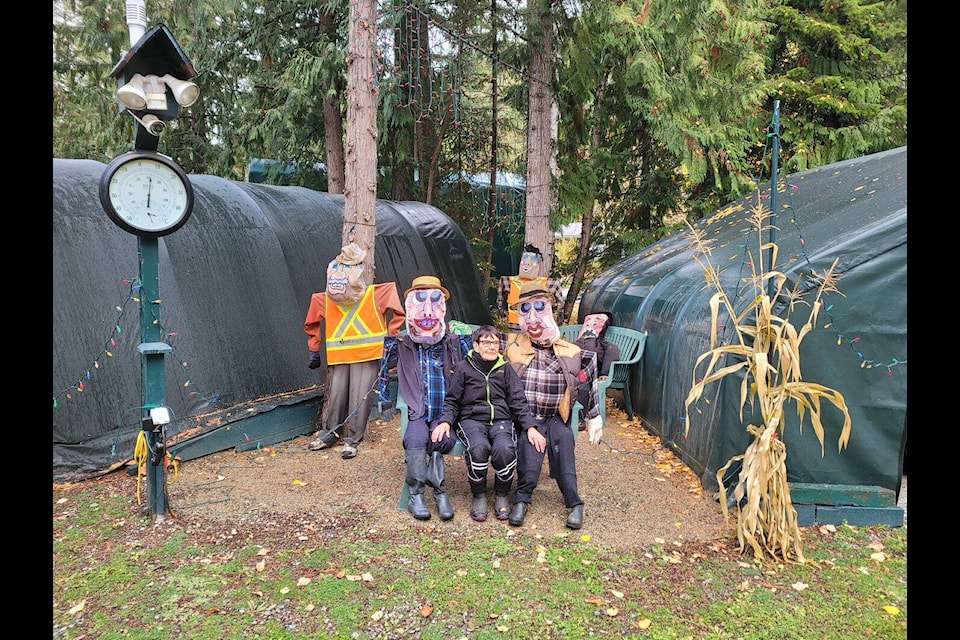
{"x": 431, "y": 366}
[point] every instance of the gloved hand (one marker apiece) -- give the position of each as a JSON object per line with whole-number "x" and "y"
{"x": 595, "y": 429}
{"x": 314, "y": 360}
{"x": 387, "y": 412}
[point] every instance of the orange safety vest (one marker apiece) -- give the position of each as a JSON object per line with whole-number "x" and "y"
{"x": 354, "y": 333}
{"x": 516, "y": 283}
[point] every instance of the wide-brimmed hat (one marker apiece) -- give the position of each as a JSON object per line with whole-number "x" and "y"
{"x": 427, "y": 282}
{"x": 351, "y": 254}
{"x": 530, "y": 290}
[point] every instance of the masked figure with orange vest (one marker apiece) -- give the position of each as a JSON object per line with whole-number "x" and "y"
{"x": 531, "y": 265}
{"x": 350, "y": 320}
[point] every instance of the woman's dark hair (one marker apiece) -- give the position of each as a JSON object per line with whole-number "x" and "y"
{"x": 485, "y": 330}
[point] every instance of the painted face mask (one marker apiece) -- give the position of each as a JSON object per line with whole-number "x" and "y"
{"x": 593, "y": 325}
{"x": 345, "y": 284}
{"x": 536, "y": 320}
{"x": 426, "y": 311}
{"x": 529, "y": 265}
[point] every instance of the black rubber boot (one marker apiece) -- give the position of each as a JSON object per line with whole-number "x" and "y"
{"x": 416, "y": 478}
{"x": 436, "y": 474}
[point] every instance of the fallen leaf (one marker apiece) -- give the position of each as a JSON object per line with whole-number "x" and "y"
{"x": 502, "y": 628}
{"x": 261, "y": 565}
{"x": 585, "y": 537}
{"x": 366, "y": 577}
{"x": 496, "y": 564}
{"x": 426, "y": 610}
{"x": 354, "y": 578}
{"x": 659, "y": 540}
{"x": 310, "y": 607}
{"x": 612, "y": 611}
{"x": 263, "y": 552}
{"x": 376, "y": 615}
{"x": 77, "y": 608}
{"x": 302, "y": 582}
{"x": 799, "y": 586}
{"x": 618, "y": 594}
{"x": 298, "y": 483}
{"x": 643, "y": 624}
{"x": 61, "y": 500}
{"x": 285, "y": 590}
{"x": 878, "y": 556}
{"x": 462, "y": 572}
{"x": 876, "y": 546}
{"x": 595, "y": 600}
{"x": 892, "y": 610}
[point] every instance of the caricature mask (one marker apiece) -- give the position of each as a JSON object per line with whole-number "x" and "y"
{"x": 345, "y": 284}
{"x": 529, "y": 265}
{"x": 426, "y": 310}
{"x": 536, "y": 320}
{"x": 593, "y": 325}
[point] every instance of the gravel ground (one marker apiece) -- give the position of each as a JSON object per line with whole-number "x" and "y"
{"x": 635, "y": 493}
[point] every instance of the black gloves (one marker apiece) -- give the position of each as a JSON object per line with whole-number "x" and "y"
{"x": 314, "y": 360}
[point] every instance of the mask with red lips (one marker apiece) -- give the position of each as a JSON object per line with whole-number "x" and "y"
{"x": 536, "y": 320}
{"x": 426, "y": 312}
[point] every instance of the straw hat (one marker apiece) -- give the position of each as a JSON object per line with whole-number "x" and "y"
{"x": 427, "y": 282}
{"x": 531, "y": 290}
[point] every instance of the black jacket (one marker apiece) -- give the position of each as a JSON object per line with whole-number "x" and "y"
{"x": 607, "y": 352}
{"x": 486, "y": 391}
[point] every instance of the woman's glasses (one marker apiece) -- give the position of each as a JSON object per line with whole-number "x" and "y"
{"x": 489, "y": 343}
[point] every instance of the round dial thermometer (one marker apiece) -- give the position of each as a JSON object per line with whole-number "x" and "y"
{"x": 146, "y": 193}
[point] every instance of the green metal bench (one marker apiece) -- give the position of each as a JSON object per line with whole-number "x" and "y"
{"x": 631, "y": 343}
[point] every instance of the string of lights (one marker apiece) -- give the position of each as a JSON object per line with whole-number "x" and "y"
{"x": 789, "y": 189}
{"x": 112, "y": 343}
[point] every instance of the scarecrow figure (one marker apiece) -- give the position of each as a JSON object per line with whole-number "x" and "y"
{"x": 350, "y": 321}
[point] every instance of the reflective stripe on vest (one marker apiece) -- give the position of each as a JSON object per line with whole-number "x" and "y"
{"x": 354, "y": 333}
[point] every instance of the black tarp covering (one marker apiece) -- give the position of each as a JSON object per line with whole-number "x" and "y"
{"x": 855, "y": 210}
{"x": 235, "y": 283}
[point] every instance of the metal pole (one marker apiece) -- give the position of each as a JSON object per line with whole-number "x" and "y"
{"x": 152, "y": 350}
{"x": 775, "y": 133}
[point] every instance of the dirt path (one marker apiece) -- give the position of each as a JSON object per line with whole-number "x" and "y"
{"x": 635, "y": 493}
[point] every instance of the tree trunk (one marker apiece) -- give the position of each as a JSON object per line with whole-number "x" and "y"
{"x": 332, "y": 119}
{"x": 494, "y": 142}
{"x": 540, "y": 135}
{"x": 586, "y": 222}
{"x": 360, "y": 191}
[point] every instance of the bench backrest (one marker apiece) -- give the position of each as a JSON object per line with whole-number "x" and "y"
{"x": 629, "y": 341}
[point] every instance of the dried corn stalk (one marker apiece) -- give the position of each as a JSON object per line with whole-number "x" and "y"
{"x": 767, "y": 349}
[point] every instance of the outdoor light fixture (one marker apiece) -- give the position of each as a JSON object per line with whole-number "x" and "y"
{"x": 149, "y": 92}
{"x": 160, "y": 416}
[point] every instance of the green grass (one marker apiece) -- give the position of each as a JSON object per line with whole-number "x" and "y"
{"x": 136, "y": 578}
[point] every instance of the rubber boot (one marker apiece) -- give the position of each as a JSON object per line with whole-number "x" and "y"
{"x": 436, "y": 474}
{"x": 416, "y": 478}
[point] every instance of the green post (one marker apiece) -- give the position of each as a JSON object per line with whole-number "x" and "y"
{"x": 152, "y": 350}
{"x": 774, "y": 163}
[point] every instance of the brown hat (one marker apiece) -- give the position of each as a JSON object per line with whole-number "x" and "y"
{"x": 530, "y": 290}
{"x": 351, "y": 254}
{"x": 427, "y": 282}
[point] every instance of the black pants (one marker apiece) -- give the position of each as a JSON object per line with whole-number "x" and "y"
{"x": 489, "y": 445}
{"x": 563, "y": 462}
